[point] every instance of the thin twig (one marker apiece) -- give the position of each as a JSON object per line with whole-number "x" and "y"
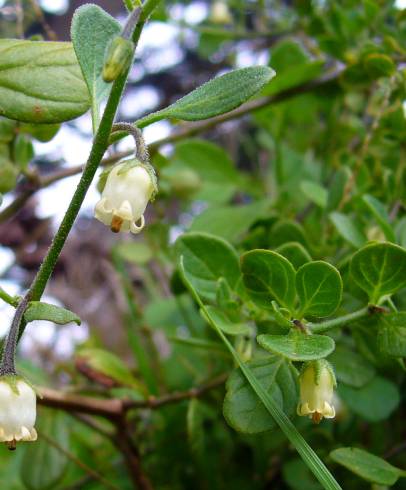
{"x": 114, "y": 408}
{"x": 175, "y": 397}
{"x": 19, "y": 19}
{"x": 110, "y": 409}
{"x": 366, "y": 144}
{"x": 78, "y": 462}
{"x": 51, "y": 34}
{"x": 92, "y": 424}
{"x": 129, "y": 450}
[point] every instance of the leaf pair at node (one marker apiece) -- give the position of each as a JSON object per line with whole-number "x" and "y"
{"x": 314, "y": 290}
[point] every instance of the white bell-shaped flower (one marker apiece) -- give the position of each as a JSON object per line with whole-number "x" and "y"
{"x": 18, "y": 411}
{"x": 317, "y": 382}
{"x": 220, "y": 13}
{"x": 125, "y": 197}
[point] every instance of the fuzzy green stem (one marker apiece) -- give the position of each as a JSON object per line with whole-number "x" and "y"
{"x": 7, "y": 364}
{"x": 341, "y": 321}
{"x": 147, "y": 9}
{"x": 131, "y": 23}
{"x": 99, "y": 147}
{"x": 100, "y": 144}
{"x": 141, "y": 153}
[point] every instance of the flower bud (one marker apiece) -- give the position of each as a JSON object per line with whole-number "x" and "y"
{"x": 317, "y": 382}
{"x": 8, "y": 176}
{"x": 244, "y": 349}
{"x": 129, "y": 187}
{"x": 375, "y": 234}
{"x": 220, "y": 13}
{"x": 118, "y": 58}
{"x": 17, "y": 411}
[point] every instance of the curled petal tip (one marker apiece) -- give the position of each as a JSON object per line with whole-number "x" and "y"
{"x": 135, "y": 228}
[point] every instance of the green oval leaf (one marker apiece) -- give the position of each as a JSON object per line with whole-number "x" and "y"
{"x": 241, "y": 407}
{"x": 379, "y": 65}
{"x": 297, "y": 346}
{"x": 230, "y": 222}
{"x": 392, "y": 334}
{"x": 381, "y": 215}
{"x": 295, "y": 253}
{"x": 379, "y": 269}
{"x": 375, "y": 401}
{"x": 207, "y": 258}
{"x": 44, "y": 311}
{"x": 366, "y": 465}
{"x": 298, "y": 476}
{"x": 346, "y": 227}
{"x": 110, "y": 365}
{"x": 91, "y": 31}
{"x": 135, "y": 252}
{"x": 314, "y": 192}
{"x": 351, "y": 368}
{"x": 268, "y": 275}
{"x": 215, "y": 97}
{"x": 225, "y": 324}
{"x": 215, "y": 170}
{"x": 319, "y": 287}
{"x": 41, "y": 82}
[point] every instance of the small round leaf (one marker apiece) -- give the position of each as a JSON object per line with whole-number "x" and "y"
{"x": 379, "y": 269}
{"x": 298, "y": 346}
{"x": 268, "y": 275}
{"x": 366, "y": 465}
{"x": 319, "y": 287}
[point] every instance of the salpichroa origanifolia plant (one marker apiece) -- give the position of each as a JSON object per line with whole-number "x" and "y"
{"x": 282, "y": 303}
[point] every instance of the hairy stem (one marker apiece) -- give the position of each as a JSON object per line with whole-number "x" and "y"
{"x": 131, "y": 23}
{"x": 100, "y": 145}
{"x": 7, "y": 365}
{"x": 141, "y": 153}
{"x": 341, "y": 321}
{"x": 147, "y": 9}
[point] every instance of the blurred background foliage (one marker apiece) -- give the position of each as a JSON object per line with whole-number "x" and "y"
{"x": 314, "y": 174}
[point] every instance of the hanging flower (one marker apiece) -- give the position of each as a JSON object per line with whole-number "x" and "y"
{"x": 17, "y": 411}
{"x": 244, "y": 348}
{"x": 317, "y": 382}
{"x": 220, "y": 13}
{"x": 129, "y": 187}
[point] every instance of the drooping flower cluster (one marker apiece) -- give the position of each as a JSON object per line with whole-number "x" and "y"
{"x": 17, "y": 411}
{"x": 129, "y": 187}
{"x": 317, "y": 383}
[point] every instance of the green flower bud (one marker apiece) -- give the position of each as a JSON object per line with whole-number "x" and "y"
{"x": 118, "y": 58}
{"x": 8, "y": 176}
